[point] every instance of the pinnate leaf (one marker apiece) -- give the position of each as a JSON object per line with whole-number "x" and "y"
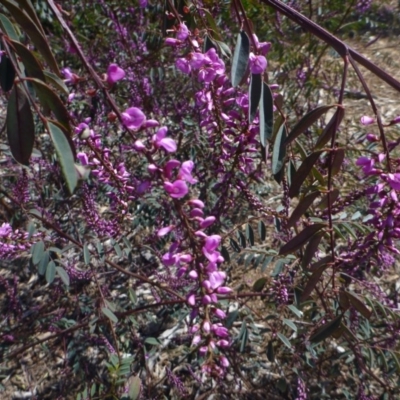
{"x": 240, "y": 58}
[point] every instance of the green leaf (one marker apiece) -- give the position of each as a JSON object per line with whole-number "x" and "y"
{"x": 240, "y": 58}
{"x": 20, "y": 126}
{"x": 109, "y": 314}
{"x": 303, "y": 172}
{"x": 333, "y": 196}
{"x": 307, "y": 121}
{"x": 43, "y": 263}
{"x": 259, "y": 284}
{"x": 7, "y": 73}
{"x": 32, "y": 67}
{"x": 234, "y": 245}
{"x": 270, "y": 351}
{"x": 50, "y": 272}
{"x": 64, "y": 154}
{"x": 37, "y": 252}
{"x": 250, "y": 234}
{"x": 242, "y": 239}
{"x": 326, "y": 330}
{"x": 262, "y": 231}
{"x": 359, "y": 305}
{"x": 132, "y": 296}
{"x": 58, "y": 83}
{"x": 266, "y": 114}
{"x": 8, "y": 28}
{"x": 208, "y": 44}
{"x": 153, "y": 341}
{"x": 337, "y": 162}
{"x": 312, "y": 282}
{"x": 295, "y": 310}
{"x": 290, "y": 324}
{"x": 50, "y": 100}
{"x": 311, "y": 249}
{"x": 279, "y": 152}
{"x": 244, "y": 336}
{"x": 134, "y": 385}
{"x": 34, "y": 31}
{"x": 62, "y": 273}
{"x": 86, "y": 254}
{"x": 284, "y": 340}
{"x": 301, "y": 208}
{"x": 302, "y": 238}
{"x": 255, "y": 90}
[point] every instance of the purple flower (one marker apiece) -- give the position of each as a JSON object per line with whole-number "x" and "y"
{"x": 394, "y": 181}
{"x": 5, "y": 229}
{"x": 183, "y": 32}
{"x": 185, "y": 172}
{"x": 172, "y": 42}
{"x": 83, "y": 158}
{"x": 258, "y": 64}
{"x": 183, "y": 65}
{"x": 164, "y": 231}
{"x": 207, "y": 222}
{"x": 365, "y": 120}
{"x": 142, "y": 3}
{"x": 114, "y": 74}
{"x": 133, "y": 118}
{"x": 160, "y": 140}
{"x": 176, "y": 190}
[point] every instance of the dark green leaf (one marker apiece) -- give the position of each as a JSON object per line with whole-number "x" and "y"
{"x": 326, "y": 330}
{"x": 242, "y": 239}
{"x": 302, "y": 173}
{"x": 270, "y": 351}
{"x": 359, "y": 305}
{"x": 301, "y": 208}
{"x": 312, "y": 282}
{"x": 259, "y": 284}
{"x": 20, "y": 126}
{"x": 330, "y": 128}
{"x": 234, "y": 245}
{"x": 250, "y": 234}
{"x": 34, "y": 31}
{"x": 262, "y": 231}
{"x": 240, "y": 59}
{"x": 266, "y": 114}
{"x": 50, "y": 272}
{"x": 334, "y": 194}
{"x": 306, "y": 122}
{"x": 109, "y": 314}
{"x": 244, "y": 335}
{"x": 62, "y": 273}
{"x": 255, "y": 89}
{"x": 64, "y": 154}
{"x": 279, "y": 152}
{"x": 302, "y": 238}
{"x": 225, "y": 254}
{"x": 266, "y": 262}
{"x": 208, "y": 44}
{"x": 7, "y": 74}
{"x": 323, "y": 261}
{"x": 32, "y": 67}
{"x": 50, "y": 100}
{"x": 337, "y": 162}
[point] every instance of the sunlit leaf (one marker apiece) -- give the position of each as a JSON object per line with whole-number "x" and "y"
{"x": 64, "y": 154}
{"x": 109, "y": 314}
{"x": 134, "y": 385}
{"x": 330, "y": 128}
{"x": 8, "y": 28}
{"x": 284, "y": 340}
